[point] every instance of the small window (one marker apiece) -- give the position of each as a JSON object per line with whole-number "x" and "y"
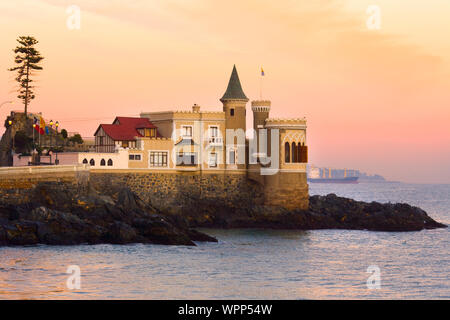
{"x": 92, "y": 162}
{"x": 231, "y": 112}
{"x": 100, "y": 141}
{"x": 213, "y": 132}
{"x": 110, "y": 163}
{"x": 187, "y": 131}
{"x": 287, "y": 152}
{"x": 85, "y": 161}
{"x": 125, "y": 144}
{"x": 294, "y": 152}
{"x": 232, "y": 157}
{"x": 150, "y": 133}
{"x": 103, "y": 162}
{"x": 213, "y": 160}
{"x": 135, "y": 157}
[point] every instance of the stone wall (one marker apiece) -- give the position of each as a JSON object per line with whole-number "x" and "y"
{"x": 170, "y": 191}
{"x": 17, "y": 184}
{"x": 183, "y": 191}
{"x": 287, "y": 189}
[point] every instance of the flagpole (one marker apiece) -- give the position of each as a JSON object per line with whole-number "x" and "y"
{"x": 261, "y": 83}
{"x": 260, "y": 87}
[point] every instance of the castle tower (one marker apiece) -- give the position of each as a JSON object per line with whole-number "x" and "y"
{"x": 234, "y": 102}
{"x": 261, "y": 109}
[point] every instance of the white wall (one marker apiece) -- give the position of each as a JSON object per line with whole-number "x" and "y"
{"x": 120, "y": 159}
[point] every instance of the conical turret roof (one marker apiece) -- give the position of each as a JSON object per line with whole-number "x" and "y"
{"x": 234, "y": 89}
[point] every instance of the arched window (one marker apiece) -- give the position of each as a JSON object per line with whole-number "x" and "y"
{"x": 85, "y": 161}
{"x": 287, "y": 152}
{"x": 304, "y": 153}
{"x": 103, "y": 162}
{"x": 110, "y": 163}
{"x": 299, "y": 152}
{"x": 92, "y": 162}
{"x": 294, "y": 152}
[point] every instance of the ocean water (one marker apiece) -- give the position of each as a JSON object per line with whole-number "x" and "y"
{"x": 253, "y": 264}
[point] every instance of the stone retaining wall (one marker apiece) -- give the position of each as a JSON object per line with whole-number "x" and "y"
{"x": 16, "y": 183}
{"x": 180, "y": 191}
{"x": 171, "y": 191}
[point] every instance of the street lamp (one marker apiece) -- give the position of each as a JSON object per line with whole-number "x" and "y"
{"x": 51, "y": 133}
{"x": 34, "y": 129}
{"x": 14, "y": 136}
{"x": 51, "y": 137}
{"x": 56, "y": 142}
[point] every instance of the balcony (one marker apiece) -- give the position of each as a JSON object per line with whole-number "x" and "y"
{"x": 215, "y": 141}
{"x": 187, "y": 159}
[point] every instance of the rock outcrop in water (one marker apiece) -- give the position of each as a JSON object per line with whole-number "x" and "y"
{"x": 59, "y": 218}
{"x": 325, "y": 212}
{"x": 50, "y": 216}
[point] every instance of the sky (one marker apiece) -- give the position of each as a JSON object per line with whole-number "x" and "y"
{"x": 377, "y": 100}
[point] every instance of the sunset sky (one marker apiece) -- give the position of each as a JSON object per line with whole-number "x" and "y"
{"x": 375, "y": 100}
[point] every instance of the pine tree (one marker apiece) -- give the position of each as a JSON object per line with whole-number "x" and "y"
{"x": 27, "y": 60}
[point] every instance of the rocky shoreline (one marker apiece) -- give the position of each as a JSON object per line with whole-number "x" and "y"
{"x": 58, "y": 218}
{"x": 64, "y": 218}
{"x": 325, "y": 212}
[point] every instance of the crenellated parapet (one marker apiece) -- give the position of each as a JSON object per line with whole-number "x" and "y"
{"x": 261, "y": 105}
{"x": 286, "y": 123}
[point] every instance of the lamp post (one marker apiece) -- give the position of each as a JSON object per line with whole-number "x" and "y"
{"x": 14, "y": 136}
{"x": 51, "y": 133}
{"x": 56, "y": 142}
{"x": 34, "y": 128}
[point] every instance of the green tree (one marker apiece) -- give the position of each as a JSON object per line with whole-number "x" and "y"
{"x": 64, "y": 133}
{"x": 76, "y": 138}
{"x": 27, "y": 60}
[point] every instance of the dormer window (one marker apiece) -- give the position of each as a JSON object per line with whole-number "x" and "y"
{"x": 150, "y": 133}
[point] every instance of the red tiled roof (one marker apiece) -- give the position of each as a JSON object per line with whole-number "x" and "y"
{"x": 126, "y": 128}
{"x": 138, "y": 123}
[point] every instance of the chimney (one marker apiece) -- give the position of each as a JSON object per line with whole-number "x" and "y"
{"x": 195, "y": 108}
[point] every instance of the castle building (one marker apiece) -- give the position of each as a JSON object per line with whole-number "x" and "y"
{"x": 212, "y": 142}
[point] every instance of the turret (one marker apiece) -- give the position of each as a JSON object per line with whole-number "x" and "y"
{"x": 261, "y": 109}
{"x": 234, "y": 101}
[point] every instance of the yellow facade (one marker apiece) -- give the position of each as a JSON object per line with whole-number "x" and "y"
{"x": 196, "y": 134}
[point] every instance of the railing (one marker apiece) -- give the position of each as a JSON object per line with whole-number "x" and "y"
{"x": 215, "y": 140}
{"x": 44, "y": 169}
